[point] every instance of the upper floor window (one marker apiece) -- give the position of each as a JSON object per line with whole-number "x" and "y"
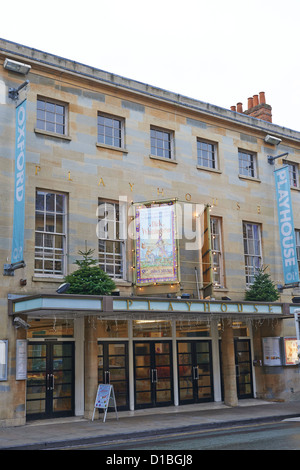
{"x": 51, "y": 116}
{"x": 110, "y": 130}
{"x": 110, "y": 231}
{"x": 294, "y": 174}
{"x": 207, "y": 154}
{"x": 216, "y": 248}
{"x": 252, "y": 250}
{"x": 50, "y": 233}
{"x": 247, "y": 164}
{"x": 161, "y": 143}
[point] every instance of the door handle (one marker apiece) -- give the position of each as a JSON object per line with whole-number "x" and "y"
{"x": 48, "y": 381}
{"x": 195, "y": 373}
{"x": 154, "y": 376}
{"x": 52, "y": 387}
{"x": 107, "y": 377}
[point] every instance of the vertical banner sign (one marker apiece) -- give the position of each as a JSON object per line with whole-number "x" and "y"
{"x": 156, "y": 250}
{"x": 286, "y": 225}
{"x": 19, "y": 192}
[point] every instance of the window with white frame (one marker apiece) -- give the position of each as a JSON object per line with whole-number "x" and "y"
{"x": 297, "y": 236}
{"x": 216, "y": 248}
{"x": 252, "y": 250}
{"x": 111, "y": 245}
{"x": 51, "y": 116}
{"x": 247, "y": 164}
{"x": 294, "y": 174}
{"x": 207, "y": 154}
{"x": 161, "y": 143}
{"x": 110, "y": 130}
{"x": 50, "y": 233}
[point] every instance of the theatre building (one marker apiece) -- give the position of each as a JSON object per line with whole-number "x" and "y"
{"x": 182, "y": 202}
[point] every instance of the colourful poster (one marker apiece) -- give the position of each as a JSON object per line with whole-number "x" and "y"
{"x": 291, "y": 351}
{"x": 103, "y": 396}
{"x": 156, "y": 253}
{"x": 272, "y": 351}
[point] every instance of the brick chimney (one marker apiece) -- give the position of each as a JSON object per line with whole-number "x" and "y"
{"x": 257, "y": 107}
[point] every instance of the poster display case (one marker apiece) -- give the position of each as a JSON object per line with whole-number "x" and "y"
{"x": 3, "y": 359}
{"x": 280, "y": 351}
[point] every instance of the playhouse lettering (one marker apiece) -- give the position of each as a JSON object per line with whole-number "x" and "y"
{"x": 197, "y": 306}
{"x": 286, "y": 226}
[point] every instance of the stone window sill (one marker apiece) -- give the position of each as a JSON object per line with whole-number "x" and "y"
{"x": 112, "y": 147}
{"x": 162, "y": 159}
{"x": 52, "y": 134}
{"x": 249, "y": 178}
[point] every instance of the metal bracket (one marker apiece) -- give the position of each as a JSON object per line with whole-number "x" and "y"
{"x": 271, "y": 159}
{"x": 9, "y": 269}
{"x": 280, "y": 287}
{"x": 13, "y": 93}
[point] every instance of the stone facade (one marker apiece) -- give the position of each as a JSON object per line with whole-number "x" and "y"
{"x": 77, "y": 165}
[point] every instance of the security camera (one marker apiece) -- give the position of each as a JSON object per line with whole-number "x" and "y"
{"x": 20, "y": 323}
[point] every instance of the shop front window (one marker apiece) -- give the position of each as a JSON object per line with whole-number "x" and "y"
{"x": 152, "y": 328}
{"x": 50, "y": 327}
{"x": 239, "y": 328}
{"x": 192, "y": 328}
{"x": 112, "y": 329}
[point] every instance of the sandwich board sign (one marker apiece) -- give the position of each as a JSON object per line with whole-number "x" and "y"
{"x": 105, "y": 397}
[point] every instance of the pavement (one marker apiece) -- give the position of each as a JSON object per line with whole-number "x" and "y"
{"x": 71, "y": 433}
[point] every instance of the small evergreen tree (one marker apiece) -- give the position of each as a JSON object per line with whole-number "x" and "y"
{"x": 89, "y": 279}
{"x": 263, "y": 289}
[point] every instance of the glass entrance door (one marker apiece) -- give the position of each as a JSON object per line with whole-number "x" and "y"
{"x": 113, "y": 369}
{"x": 153, "y": 373}
{"x": 195, "y": 371}
{"x": 50, "y": 380}
{"x": 243, "y": 368}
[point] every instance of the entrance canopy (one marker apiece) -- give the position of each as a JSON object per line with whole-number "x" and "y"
{"x": 74, "y": 306}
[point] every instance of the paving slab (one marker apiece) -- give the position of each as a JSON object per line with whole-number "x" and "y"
{"x": 63, "y": 432}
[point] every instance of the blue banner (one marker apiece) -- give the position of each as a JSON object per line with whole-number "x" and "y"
{"x": 286, "y": 225}
{"x": 19, "y": 192}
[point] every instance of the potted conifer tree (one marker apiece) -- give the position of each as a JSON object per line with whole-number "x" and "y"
{"x": 263, "y": 289}
{"x": 89, "y": 279}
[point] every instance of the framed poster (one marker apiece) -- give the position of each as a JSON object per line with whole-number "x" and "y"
{"x": 3, "y": 358}
{"x": 272, "y": 351}
{"x": 290, "y": 351}
{"x": 156, "y": 244}
{"x": 21, "y": 359}
{"x": 105, "y": 397}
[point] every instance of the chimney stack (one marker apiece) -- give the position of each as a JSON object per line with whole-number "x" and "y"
{"x": 239, "y": 107}
{"x": 257, "y": 107}
{"x": 250, "y": 102}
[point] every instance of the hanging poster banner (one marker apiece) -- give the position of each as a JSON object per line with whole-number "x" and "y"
{"x": 19, "y": 189}
{"x": 286, "y": 225}
{"x": 156, "y": 244}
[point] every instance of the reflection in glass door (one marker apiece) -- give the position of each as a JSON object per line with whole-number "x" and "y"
{"x": 195, "y": 371}
{"x": 113, "y": 369}
{"x": 243, "y": 368}
{"x": 153, "y": 373}
{"x": 50, "y": 380}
